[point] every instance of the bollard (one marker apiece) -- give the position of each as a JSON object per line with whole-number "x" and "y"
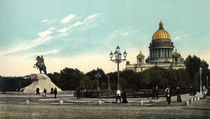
{"x": 142, "y": 102}
{"x": 187, "y": 103}
{"x": 27, "y": 102}
{"x": 195, "y": 99}
{"x": 99, "y": 102}
{"x": 61, "y": 101}
{"x": 191, "y": 100}
{"x": 198, "y": 98}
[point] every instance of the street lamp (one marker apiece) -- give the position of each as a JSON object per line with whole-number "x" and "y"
{"x": 207, "y": 81}
{"x": 98, "y": 76}
{"x": 108, "y": 83}
{"x": 200, "y": 79}
{"x": 118, "y": 59}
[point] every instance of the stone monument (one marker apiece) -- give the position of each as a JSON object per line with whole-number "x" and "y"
{"x": 41, "y": 81}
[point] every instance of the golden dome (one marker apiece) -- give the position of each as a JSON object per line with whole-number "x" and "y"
{"x": 141, "y": 54}
{"x": 161, "y": 33}
{"x": 176, "y": 52}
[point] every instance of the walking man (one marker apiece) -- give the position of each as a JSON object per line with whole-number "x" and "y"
{"x": 168, "y": 94}
{"x": 153, "y": 92}
{"x": 37, "y": 91}
{"x": 45, "y": 93}
{"x": 156, "y": 92}
{"x": 118, "y": 95}
{"x": 78, "y": 93}
{"x": 55, "y": 92}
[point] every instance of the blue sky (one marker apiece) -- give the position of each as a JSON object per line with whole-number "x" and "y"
{"x": 81, "y": 33}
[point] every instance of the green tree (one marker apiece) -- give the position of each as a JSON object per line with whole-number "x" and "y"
{"x": 193, "y": 65}
{"x": 71, "y": 78}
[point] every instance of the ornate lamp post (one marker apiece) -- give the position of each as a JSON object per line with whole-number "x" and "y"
{"x": 200, "y": 79}
{"x": 118, "y": 60}
{"x": 98, "y": 76}
{"x": 108, "y": 83}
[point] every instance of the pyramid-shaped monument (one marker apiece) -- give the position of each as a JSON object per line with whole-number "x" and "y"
{"x": 41, "y": 81}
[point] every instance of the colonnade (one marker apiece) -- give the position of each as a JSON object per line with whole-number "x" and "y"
{"x": 161, "y": 53}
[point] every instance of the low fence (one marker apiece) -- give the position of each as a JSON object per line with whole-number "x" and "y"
{"x": 130, "y": 93}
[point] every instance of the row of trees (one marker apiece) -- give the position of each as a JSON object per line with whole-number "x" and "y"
{"x": 13, "y": 83}
{"x": 71, "y": 79}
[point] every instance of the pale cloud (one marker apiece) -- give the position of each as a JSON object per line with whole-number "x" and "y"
{"x": 176, "y": 38}
{"x": 47, "y": 32}
{"x": 49, "y": 52}
{"x": 85, "y": 23}
{"x": 67, "y": 18}
{"x": 120, "y": 34}
{"x": 78, "y": 23}
{"x": 48, "y": 21}
{"x": 28, "y": 45}
{"x": 64, "y": 29}
{"x": 44, "y": 21}
{"x": 91, "y": 17}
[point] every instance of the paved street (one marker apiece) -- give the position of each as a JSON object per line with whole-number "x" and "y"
{"x": 87, "y": 108}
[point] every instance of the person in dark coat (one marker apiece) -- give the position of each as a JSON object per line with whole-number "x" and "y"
{"x": 37, "y": 91}
{"x": 52, "y": 92}
{"x": 55, "y": 92}
{"x": 78, "y": 93}
{"x": 153, "y": 92}
{"x": 45, "y": 92}
{"x": 156, "y": 92}
{"x": 124, "y": 97}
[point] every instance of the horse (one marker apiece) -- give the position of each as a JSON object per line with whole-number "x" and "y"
{"x": 40, "y": 65}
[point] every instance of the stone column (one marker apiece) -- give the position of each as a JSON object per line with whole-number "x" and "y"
{"x": 167, "y": 53}
{"x": 151, "y": 56}
{"x": 163, "y": 53}
{"x": 159, "y": 53}
{"x": 155, "y": 53}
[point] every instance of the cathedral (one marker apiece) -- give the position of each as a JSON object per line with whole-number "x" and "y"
{"x": 161, "y": 54}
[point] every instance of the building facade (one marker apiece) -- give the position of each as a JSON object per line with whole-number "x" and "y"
{"x": 161, "y": 54}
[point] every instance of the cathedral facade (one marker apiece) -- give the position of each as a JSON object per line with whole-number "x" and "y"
{"x": 161, "y": 54}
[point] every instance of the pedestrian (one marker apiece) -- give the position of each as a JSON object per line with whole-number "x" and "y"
{"x": 52, "y": 91}
{"x": 124, "y": 97}
{"x": 78, "y": 93}
{"x": 45, "y": 93}
{"x": 153, "y": 92}
{"x": 37, "y": 91}
{"x": 55, "y": 92}
{"x": 179, "y": 99}
{"x": 168, "y": 94}
{"x": 118, "y": 93}
{"x": 156, "y": 92}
